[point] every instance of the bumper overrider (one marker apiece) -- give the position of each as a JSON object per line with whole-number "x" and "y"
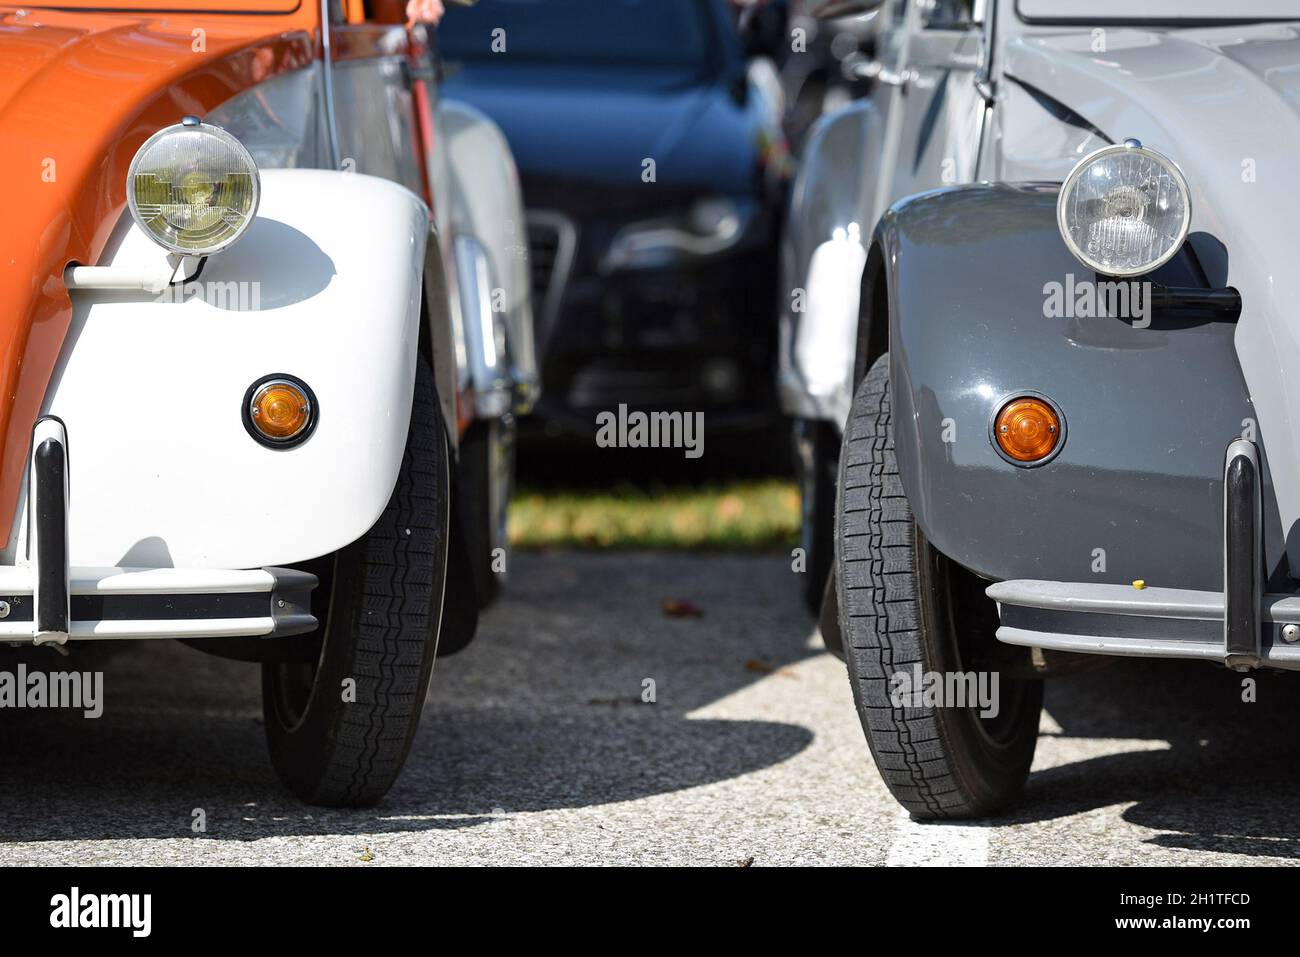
{"x": 1240, "y": 626}
{"x": 47, "y": 600}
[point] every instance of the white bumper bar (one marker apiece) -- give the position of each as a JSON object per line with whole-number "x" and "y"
{"x": 164, "y": 603}
{"x": 47, "y": 600}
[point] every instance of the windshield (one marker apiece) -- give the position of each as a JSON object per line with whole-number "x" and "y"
{"x": 1148, "y": 11}
{"x": 646, "y": 32}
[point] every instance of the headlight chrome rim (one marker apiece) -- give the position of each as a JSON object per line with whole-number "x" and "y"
{"x": 1128, "y": 146}
{"x": 191, "y": 125}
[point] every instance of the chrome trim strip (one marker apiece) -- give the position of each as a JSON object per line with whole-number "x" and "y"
{"x": 1286, "y": 657}
{"x": 1137, "y": 622}
{"x": 1109, "y": 599}
{"x": 328, "y": 72}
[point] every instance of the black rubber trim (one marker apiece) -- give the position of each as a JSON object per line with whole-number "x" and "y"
{"x": 291, "y": 618}
{"x": 1217, "y": 303}
{"x": 1241, "y": 576}
{"x": 152, "y": 607}
{"x": 50, "y": 471}
{"x": 1057, "y": 109}
{"x": 258, "y": 437}
{"x": 168, "y": 607}
{"x": 192, "y": 277}
{"x": 291, "y": 603}
{"x": 67, "y": 453}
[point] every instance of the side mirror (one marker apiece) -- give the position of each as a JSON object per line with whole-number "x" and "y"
{"x": 830, "y": 9}
{"x": 763, "y": 29}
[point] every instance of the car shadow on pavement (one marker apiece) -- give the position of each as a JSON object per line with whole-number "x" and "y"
{"x": 1208, "y": 770}
{"x": 545, "y": 710}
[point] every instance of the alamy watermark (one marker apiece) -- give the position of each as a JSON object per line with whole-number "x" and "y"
{"x": 651, "y": 430}
{"x": 76, "y": 909}
{"x": 231, "y": 296}
{"x": 946, "y": 689}
{"x": 82, "y": 690}
{"x": 1090, "y": 299}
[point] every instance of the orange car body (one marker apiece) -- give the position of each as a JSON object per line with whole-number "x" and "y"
{"x": 80, "y": 91}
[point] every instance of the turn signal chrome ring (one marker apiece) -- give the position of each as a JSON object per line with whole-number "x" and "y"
{"x": 1028, "y": 429}
{"x": 280, "y": 411}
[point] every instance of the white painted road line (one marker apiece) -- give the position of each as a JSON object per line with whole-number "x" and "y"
{"x": 938, "y": 845}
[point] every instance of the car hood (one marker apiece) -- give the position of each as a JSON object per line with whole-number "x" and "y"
{"x": 1224, "y": 104}
{"x": 599, "y": 126}
{"x": 79, "y": 93}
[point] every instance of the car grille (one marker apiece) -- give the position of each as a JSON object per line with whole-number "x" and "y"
{"x": 543, "y": 248}
{"x": 552, "y": 240}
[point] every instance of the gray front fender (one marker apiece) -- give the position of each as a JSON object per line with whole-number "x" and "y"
{"x": 1136, "y": 490}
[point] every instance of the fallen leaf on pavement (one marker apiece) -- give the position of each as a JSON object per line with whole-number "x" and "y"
{"x": 681, "y": 609}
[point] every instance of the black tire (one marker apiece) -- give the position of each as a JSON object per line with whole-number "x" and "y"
{"x": 486, "y": 482}
{"x": 817, "y": 458}
{"x": 902, "y": 603}
{"x": 379, "y": 603}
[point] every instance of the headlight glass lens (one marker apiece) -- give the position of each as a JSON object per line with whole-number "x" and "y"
{"x": 1124, "y": 210}
{"x": 193, "y": 188}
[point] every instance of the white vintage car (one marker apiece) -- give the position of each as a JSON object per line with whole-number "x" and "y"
{"x": 267, "y": 328}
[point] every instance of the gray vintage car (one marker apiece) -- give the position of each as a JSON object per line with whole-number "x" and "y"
{"x": 1040, "y": 287}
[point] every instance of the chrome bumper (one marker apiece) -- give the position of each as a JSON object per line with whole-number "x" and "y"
{"x": 1122, "y": 620}
{"x": 1240, "y": 626}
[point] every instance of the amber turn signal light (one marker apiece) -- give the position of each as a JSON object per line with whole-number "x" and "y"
{"x": 279, "y": 411}
{"x": 1028, "y": 430}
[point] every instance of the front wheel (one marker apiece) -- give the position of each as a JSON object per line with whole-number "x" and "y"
{"x": 339, "y": 729}
{"x": 907, "y": 613}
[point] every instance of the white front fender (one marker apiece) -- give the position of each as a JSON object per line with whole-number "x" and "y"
{"x": 325, "y": 286}
{"x": 831, "y": 217}
{"x": 816, "y": 369}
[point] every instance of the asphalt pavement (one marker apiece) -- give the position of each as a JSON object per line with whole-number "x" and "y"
{"x": 538, "y": 748}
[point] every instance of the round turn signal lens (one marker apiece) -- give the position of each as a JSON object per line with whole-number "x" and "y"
{"x": 1027, "y": 430}
{"x": 279, "y": 410}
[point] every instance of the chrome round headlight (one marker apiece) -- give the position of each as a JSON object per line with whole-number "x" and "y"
{"x": 193, "y": 188}
{"x": 1124, "y": 210}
